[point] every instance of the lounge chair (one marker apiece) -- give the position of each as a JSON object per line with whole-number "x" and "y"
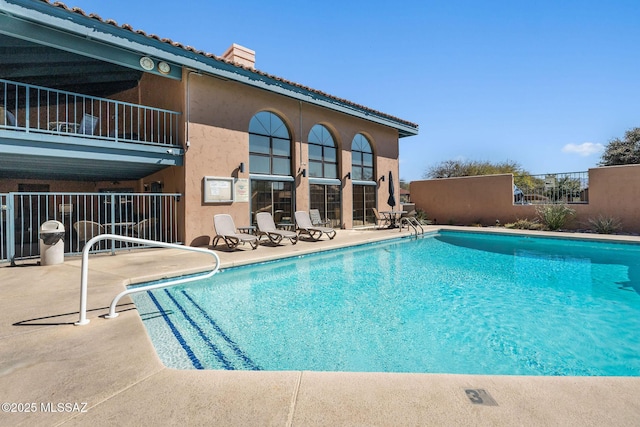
{"x": 226, "y": 230}
{"x": 266, "y": 227}
{"x": 303, "y": 222}
{"x": 316, "y": 219}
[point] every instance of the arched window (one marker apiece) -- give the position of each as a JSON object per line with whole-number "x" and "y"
{"x": 270, "y": 167}
{"x": 324, "y": 187}
{"x": 323, "y": 157}
{"x": 361, "y": 159}
{"x": 269, "y": 145}
{"x": 364, "y": 185}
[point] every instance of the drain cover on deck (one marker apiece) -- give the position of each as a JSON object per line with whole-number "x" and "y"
{"x": 479, "y": 396}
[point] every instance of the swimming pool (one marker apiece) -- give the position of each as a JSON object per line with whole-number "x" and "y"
{"x": 451, "y": 302}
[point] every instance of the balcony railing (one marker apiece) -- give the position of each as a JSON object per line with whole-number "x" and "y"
{"x": 152, "y": 216}
{"x": 569, "y": 187}
{"x": 37, "y": 109}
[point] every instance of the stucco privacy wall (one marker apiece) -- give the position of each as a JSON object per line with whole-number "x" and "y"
{"x": 613, "y": 192}
{"x": 218, "y": 113}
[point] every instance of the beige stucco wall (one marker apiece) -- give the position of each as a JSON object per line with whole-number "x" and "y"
{"x": 215, "y": 122}
{"x": 219, "y": 113}
{"x": 613, "y": 192}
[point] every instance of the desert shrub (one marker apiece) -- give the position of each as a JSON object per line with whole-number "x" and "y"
{"x": 525, "y": 224}
{"x": 421, "y": 216}
{"x": 605, "y": 225}
{"x": 555, "y": 217}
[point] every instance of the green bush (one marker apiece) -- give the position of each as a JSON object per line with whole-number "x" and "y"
{"x": 555, "y": 217}
{"x": 605, "y": 225}
{"x": 421, "y": 216}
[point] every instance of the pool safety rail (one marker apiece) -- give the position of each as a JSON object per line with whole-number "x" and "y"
{"x": 149, "y": 243}
{"x": 412, "y": 222}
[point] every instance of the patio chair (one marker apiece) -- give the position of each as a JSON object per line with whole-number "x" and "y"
{"x": 266, "y": 227}
{"x": 88, "y": 124}
{"x": 85, "y": 231}
{"x": 381, "y": 221}
{"x": 7, "y": 118}
{"x": 315, "y": 232}
{"x": 145, "y": 229}
{"x": 227, "y": 231}
{"x": 316, "y": 219}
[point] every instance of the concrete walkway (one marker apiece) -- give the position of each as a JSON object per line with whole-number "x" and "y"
{"x": 107, "y": 373}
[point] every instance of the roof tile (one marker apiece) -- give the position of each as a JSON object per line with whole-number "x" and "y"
{"x": 220, "y": 59}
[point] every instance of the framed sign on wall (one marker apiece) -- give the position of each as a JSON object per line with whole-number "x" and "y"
{"x": 218, "y": 189}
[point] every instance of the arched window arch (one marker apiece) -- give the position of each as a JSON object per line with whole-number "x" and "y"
{"x": 361, "y": 159}
{"x": 269, "y": 145}
{"x": 323, "y": 155}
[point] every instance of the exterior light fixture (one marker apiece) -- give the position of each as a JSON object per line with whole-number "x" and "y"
{"x": 241, "y": 167}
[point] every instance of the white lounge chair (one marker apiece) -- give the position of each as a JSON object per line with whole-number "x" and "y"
{"x": 303, "y": 222}
{"x": 316, "y": 219}
{"x": 266, "y": 227}
{"x": 227, "y": 231}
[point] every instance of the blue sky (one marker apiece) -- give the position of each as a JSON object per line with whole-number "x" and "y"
{"x": 544, "y": 83}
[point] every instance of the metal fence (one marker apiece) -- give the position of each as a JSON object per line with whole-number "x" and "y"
{"x": 570, "y": 187}
{"x": 38, "y": 109}
{"x": 3, "y": 228}
{"x": 149, "y": 216}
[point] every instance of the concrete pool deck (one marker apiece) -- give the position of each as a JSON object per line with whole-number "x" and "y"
{"x": 107, "y": 372}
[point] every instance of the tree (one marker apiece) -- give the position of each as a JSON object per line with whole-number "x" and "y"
{"x": 457, "y": 168}
{"x": 623, "y": 152}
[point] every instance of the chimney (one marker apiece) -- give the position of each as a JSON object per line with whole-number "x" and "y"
{"x": 240, "y": 55}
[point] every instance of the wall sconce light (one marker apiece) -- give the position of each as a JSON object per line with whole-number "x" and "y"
{"x": 348, "y": 175}
{"x": 304, "y": 173}
{"x": 241, "y": 167}
{"x": 382, "y": 178}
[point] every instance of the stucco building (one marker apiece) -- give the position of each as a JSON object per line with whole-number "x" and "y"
{"x": 93, "y": 106}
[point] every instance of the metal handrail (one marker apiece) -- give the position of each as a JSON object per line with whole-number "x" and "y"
{"x": 112, "y": 309}
{"x": 414, "y": 223}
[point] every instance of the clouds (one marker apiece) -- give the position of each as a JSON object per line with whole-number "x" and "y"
{"x": 585, "y": 149}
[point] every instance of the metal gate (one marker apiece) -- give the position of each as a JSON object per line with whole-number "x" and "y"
{"x": 151, "y": 216}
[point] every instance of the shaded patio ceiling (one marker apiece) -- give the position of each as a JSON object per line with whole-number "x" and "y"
{"x": 40, "y": 65}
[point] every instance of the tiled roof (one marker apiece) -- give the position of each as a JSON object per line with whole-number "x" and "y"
{"x": 217, "y": 58}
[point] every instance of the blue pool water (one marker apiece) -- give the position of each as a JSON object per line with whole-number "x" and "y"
{"x": 447, "y": 303}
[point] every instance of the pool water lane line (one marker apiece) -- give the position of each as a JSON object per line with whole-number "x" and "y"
{"x": 237, "y": 350}
{"x": 194, "y": 360}
{"x": 216, "y": 351}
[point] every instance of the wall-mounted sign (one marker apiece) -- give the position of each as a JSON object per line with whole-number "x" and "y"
{"x": 218, "y": 189}
{"x": 242, "y": 190}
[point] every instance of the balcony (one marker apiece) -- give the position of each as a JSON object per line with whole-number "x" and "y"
{"x": 55, "y": 134}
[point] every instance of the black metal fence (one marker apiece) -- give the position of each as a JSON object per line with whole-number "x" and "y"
{"x": 569, "y": 187}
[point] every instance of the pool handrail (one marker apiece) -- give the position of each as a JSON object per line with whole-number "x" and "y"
{"x": 150, "y": 243}
{"x": 413, "y": 223}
